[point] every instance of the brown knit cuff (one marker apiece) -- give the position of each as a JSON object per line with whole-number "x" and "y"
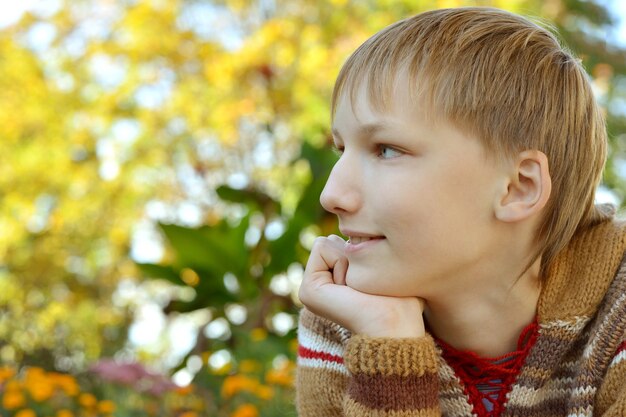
{"x": 388, "y": 356}
{"x": 391, "y": 377}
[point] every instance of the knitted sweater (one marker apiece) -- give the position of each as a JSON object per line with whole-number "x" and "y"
{"x": 577, "y": 366}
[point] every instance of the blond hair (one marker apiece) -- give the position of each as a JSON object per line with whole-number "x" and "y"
{"x": 510, "y": 82}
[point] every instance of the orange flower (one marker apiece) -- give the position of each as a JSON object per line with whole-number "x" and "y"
{"x": 25, "y": 413}
{"x": 87, "y": 400}
{"x": 64, "y": 413}
{"x": 13, "y": 399}
{"x": 106, "y": 407}
{"x": 283, "y": 375}
{"x": 248, "y": 366}
{"x": 38, "y": 384}
{"x": 13, "y": 385}
{"x": 6, "y": 373}
{"x": 184, "y": 391}
{"x": 264, "y": 392}
{"x": 40, "y": 390}
{"x": 35, "y": 372}
{"x": 246, "y": 410}
{"x": 279, "y": 377}
{"x": 237, "y": 383}
{"x": 66, "y": 382}
{"x": 189, "y": 414}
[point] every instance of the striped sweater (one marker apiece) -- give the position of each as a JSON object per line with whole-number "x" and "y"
{"x": 577, "y": 366}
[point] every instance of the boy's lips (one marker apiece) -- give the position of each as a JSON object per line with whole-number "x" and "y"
{"x": 355, "y": 234}
{"x": 355, "y": 240}
{"x": 359, "y": 240}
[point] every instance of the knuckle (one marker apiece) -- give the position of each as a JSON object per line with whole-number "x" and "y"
{"x": 320, "y": 240}
{"x": 303, "y": 295}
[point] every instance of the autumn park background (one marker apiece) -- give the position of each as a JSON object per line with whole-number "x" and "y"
{"x": 160, "y": 167}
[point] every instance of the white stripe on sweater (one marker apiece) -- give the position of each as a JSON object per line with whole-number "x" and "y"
{"x": 572, "y": 326}
{"x": 618, "y": 358}
{"x": 616, "y": 310}
{"x": 318, "y": 343}
{"x": 323, "y": 364}
{"x": 529, "y": 397}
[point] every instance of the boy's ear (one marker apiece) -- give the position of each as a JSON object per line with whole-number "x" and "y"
{"x": 528, "y": 188}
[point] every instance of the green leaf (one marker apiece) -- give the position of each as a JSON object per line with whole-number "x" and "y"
{"x": 154, "y": 271}
{"x": 215, "y": 249}
{"x": 254, "y": 199}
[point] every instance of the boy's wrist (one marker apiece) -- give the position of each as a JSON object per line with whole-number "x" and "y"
{"x": 395, "y": 332}
{"x": 402, "y": 318}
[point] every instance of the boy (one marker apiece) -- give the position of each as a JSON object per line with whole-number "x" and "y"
{"x": 478, "y": 277}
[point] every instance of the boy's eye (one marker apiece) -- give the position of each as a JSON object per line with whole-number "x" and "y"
{"x": 388, "y": 152}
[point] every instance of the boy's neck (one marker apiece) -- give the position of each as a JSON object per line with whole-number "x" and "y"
{"x": 489, "y": 320}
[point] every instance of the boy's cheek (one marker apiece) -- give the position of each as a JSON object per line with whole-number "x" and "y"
{"x": 357, "y": 279}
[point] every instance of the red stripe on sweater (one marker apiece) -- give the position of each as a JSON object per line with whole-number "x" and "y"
{"x": 313, "y": 354}
{"x": 621, "y": 348}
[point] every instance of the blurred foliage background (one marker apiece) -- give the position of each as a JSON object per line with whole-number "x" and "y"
{"x": 160, "y": 168}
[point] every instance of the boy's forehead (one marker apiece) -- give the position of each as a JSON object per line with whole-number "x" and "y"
{"x": 399, "y": 101}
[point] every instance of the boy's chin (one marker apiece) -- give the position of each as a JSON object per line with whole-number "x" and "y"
{"x": 370, "y": 285}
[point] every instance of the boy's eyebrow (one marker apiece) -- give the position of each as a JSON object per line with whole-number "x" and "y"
{"x": 365, "y": 130}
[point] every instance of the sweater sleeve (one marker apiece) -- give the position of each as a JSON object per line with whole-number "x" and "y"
{"x": 321, "y": 375}
{"x": 340, "y": 375}
{"x": 611, "y": 397}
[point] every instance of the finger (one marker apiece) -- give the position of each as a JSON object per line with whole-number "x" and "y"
{"x": 324, "y": 256}
{"x": 422, "y": 303}
{"x": 333, "y": 302}
{"x": 340, "y": 270}
{"x": 337, "y": 239}
{"x": 327, "y": 265}
{"x": 341, "y": 266}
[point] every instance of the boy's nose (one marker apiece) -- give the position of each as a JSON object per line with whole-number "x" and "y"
{"x": 341, "y": 193}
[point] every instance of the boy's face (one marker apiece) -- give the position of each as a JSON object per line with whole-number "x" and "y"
{"x": 416, "y": 200}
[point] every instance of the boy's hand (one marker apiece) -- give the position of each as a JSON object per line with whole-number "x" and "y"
{"x": 325, "y": 293}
